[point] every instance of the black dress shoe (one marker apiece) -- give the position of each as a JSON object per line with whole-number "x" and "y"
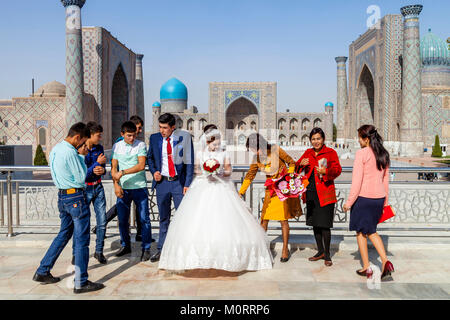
{"x": 100, "y": 257}
{"x": 285, "y": 259}
{"x": 145, "y": 255}
{"x": 155, "y": 257}
{"x": 123, "y": 251}
{"x": 94, "y": 230}
{"x": 73, "y": 260}
{"x": 88, "y": 287}
{"x": 138, "y": 238}
{"x": 45, "y": 279}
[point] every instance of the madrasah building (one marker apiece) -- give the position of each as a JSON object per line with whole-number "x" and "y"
{"x": 240, "y": 108}
{"x": 397, "y": 82}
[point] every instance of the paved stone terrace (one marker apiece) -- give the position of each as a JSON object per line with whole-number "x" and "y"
{"x": 421, "y": 263}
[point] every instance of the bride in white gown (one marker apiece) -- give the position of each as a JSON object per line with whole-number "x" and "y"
{"x": 212, "y": 228}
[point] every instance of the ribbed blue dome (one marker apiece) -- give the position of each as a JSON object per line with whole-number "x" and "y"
{"x": 329, "y": 104}
{"x": 433, "y": 50}
{"x": 173, "y": 89}
{"x": 156, "y": 104}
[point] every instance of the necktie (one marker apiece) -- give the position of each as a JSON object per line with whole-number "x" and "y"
{"x": 170, "y": 159}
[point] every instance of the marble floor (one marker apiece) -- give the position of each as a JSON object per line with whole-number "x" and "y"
{"x": 419, "y": 274}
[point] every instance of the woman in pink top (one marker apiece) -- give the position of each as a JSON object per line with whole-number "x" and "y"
{"x": 368, "y": 195}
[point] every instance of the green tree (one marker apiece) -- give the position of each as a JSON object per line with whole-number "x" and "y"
{"x": 334, "y": 133}
{"x": 39, "y": 158}
{"x": 437, "y": 152}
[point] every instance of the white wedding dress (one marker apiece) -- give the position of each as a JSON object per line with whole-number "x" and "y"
{"x": 213, "y": 229}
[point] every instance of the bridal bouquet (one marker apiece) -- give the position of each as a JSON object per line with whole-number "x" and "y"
{"x": 211, "y": 166}
{"x": 290, "y": 185}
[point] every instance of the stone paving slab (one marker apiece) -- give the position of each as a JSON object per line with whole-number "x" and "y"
{"x": 421, "y": 273}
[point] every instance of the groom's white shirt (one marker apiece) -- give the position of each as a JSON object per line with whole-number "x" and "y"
{"x": 165, "y": 159}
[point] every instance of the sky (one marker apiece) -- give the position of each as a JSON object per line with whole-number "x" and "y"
{"x": 200, "y": 41}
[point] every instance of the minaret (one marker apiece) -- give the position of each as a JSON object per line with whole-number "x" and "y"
{"x": 341, "y": 96}
{"x": 156, "y": 112}
{"x": 411, "y": 127}
{"x": 140, "y": 109}
{"x": 74, "y": 62}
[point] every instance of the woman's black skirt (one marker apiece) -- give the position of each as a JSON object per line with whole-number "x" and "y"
{"x": 365, "y": 214}
{"x": 317, "y": 216}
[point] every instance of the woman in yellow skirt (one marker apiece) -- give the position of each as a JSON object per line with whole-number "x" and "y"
{"x": 272, "y": 161}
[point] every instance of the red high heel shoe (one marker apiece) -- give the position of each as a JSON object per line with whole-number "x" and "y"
{"x": 388, "y": 269}
{"x": 365, "y": 273}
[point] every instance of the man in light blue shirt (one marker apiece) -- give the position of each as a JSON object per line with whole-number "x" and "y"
{"x": 69, "y": 173}
{"x": 130, "y": 184}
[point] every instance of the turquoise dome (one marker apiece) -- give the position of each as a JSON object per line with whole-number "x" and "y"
{"x": 433, "y": 50}
{"x": 156, "y": 104}
{"x": 173, "y": 89}
{"x": 329, "y": 104}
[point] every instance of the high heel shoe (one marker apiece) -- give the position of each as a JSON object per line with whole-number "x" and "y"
{"x": 285, "y": 259}
{"x": 365, "y": 273}
{"x": 388, "y": 269}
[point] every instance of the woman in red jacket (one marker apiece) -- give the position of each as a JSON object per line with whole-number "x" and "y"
{"x": 321, "y": 165}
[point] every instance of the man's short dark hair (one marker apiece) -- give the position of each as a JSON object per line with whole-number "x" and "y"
{"x": 79, "y": 128}
{"x": 94, "y": 127}
{"x": 167, "y": 118}
{"x": 128, "y": 126}
{"x": 137, "y": 120}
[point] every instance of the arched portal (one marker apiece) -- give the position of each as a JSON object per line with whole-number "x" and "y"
{"x": 366, "y": 97}
{"x": 293, "y": 140}
{"x": 305, "y": 140}
{"x": 317, "y": 123}
{"x": 190, "y": 125}
{"x": 119, "y": 102}
{"x": 282, "y": 139}
{"x": 305, "y": 123}
{"x": 242, "y": 112}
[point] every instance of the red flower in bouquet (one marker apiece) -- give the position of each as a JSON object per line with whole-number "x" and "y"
{"x": 289, "y": 185}
{"x": 211, "y": 165}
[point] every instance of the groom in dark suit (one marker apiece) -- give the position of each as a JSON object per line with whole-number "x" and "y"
{"x": 170, "y": 159}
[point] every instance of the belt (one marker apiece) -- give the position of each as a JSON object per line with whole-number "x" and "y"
{"x": 70, "y": 191}
{"x": 169, "y": 178}
{"x": 94, "y": 183}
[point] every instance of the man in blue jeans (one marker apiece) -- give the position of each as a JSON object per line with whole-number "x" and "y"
{"x": 112, "y": 213}
{"x": 69, "y": 173}
{"x": 95, "y": 162}
{"x": 130, "y": 184}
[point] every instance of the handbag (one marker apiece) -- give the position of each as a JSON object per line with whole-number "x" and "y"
{"x": 388, "y": 213}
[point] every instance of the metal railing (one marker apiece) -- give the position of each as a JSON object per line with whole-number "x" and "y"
{"x": 255, "y": 203}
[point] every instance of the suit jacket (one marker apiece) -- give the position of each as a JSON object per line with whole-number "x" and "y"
{"x": 183, "y": 156}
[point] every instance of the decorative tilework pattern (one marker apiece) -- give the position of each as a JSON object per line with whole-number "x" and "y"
{"x": 74, "y": 78}
{"x": 232, "y": 95}
{"x": 411, "y": 117}
{"x": 33, "y": 113}
{"x": 341, "y": 94}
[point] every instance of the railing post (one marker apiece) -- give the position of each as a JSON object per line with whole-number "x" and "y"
{"x": 251, "y": 197}
{"x": 2, "y": 205}
{"x": 9, "y": 204}
{"x": 17, "y": 204}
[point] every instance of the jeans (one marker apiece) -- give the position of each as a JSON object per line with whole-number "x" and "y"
{"x": 140, "y": 198}
{"x": 75, "y": 220}
{"x": 165, "y": 192}
{"x": 96, "y": 196}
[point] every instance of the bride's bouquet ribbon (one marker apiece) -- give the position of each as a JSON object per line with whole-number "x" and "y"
{"x": 289, "y": 185}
